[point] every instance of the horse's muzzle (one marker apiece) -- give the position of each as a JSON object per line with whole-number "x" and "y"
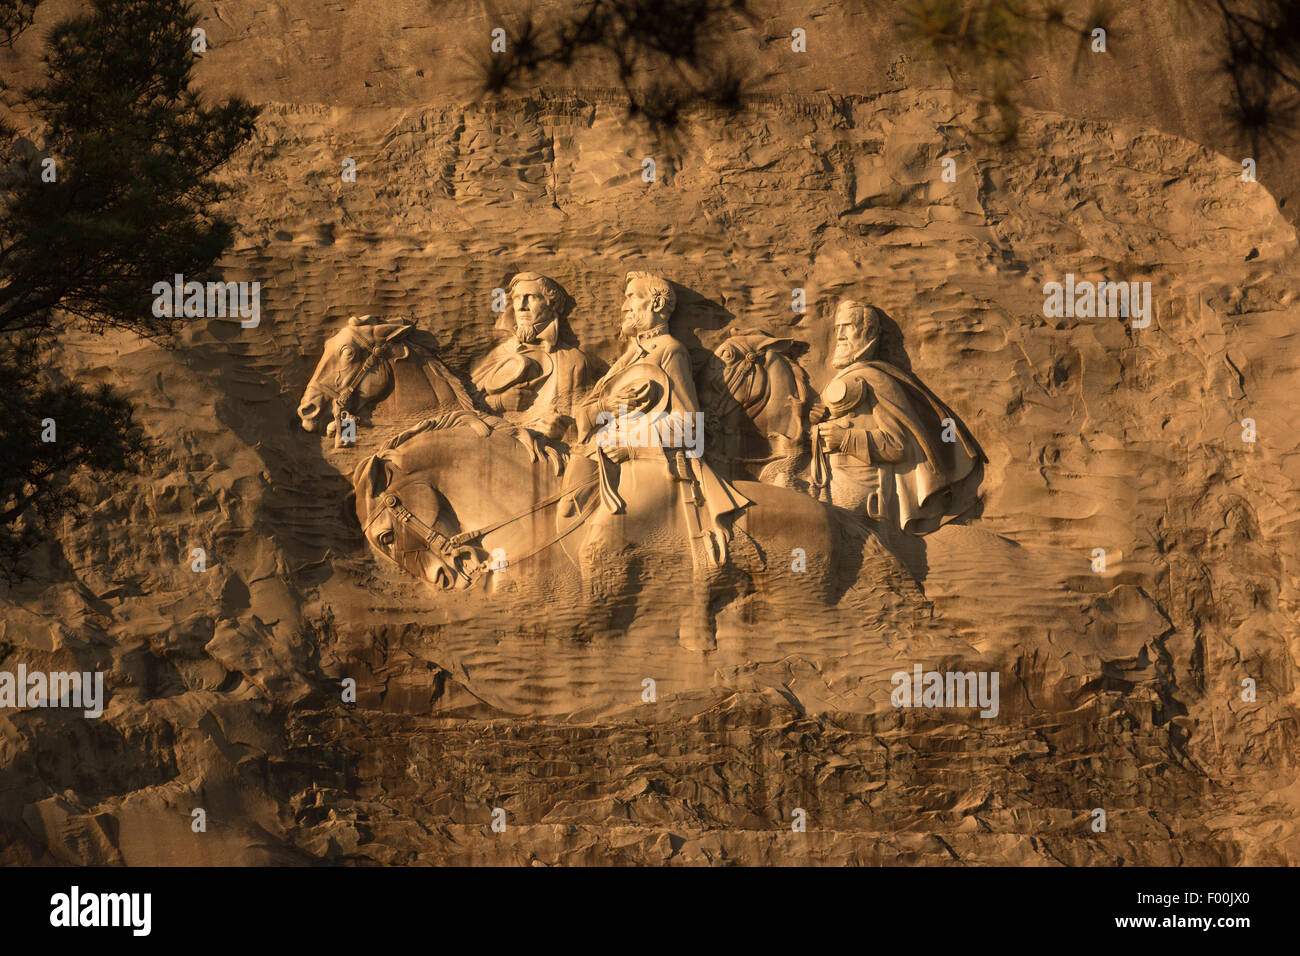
{"x": 442, "y": 572}
{"x": 309, "y": 414}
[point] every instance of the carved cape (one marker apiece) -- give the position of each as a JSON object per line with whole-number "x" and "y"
{"x": 935, "y": 479}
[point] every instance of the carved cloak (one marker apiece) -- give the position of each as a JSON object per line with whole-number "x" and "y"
{"x": 937, "y": 479}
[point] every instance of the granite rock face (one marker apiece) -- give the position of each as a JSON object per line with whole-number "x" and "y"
{"x": 1121, "y": 685}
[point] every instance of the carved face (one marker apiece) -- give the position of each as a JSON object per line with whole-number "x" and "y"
{"x": 853, "y": 335}
{"x": 639, "y": 307}
{"x": 532, "y": 311}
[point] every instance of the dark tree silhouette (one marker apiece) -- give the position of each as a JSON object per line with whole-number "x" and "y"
{"x": 1261, "y": 59}
{"x": 986, "y": 44}
{"x": 131, "y": 202}
{"x": 665, "y": 54}
{"x": 15, "y": 17}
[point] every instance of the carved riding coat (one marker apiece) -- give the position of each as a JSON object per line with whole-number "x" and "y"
{"x": 656, "y": 349}
{"x": 892, "y": 462}
{"x": 533, "y": 379}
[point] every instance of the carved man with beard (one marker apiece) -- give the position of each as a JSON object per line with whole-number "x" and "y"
{"x": 889, "y": 448}
{"x": 536, "y": 375}
{"x": 652, "y": 380}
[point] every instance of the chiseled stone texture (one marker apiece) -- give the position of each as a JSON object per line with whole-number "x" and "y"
{"x": 1120, "y": 690}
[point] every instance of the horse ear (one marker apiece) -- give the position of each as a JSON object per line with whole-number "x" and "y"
{"x": 371, "y": 475}
{"x": 366, "y": 477}
{"x": 392, "y": 336}
{"x": 791, "y": 347}
{"x": 354, "y": 320}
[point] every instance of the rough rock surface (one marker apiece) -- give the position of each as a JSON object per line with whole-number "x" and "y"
{"x": 1121, "y": 690}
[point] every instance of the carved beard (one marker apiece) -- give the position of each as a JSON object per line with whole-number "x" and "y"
{"x": 527, "y": 332}
{"x": 632, "y": 325}
{"x": 846, "y": 353}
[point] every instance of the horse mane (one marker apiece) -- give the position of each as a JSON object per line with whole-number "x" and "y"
{"x": 425, "y": 343}
{"x": 451, "y": 380}
{"x": 803, "y": 384}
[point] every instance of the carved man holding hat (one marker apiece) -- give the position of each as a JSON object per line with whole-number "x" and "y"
{"x": 536, "y": 375}
{"x": 889, "y": 448}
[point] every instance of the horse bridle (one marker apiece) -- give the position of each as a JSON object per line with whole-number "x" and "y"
{"x": 451, "y": 551}
{"x": 342, "y": 397}
{"x": 455, "y": 552}
{"x": 731, "y": 376}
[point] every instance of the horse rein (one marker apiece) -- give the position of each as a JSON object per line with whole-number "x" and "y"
{"x": 342, "y": 397}
{"x": 453, "y": 549}
{"x": 440, "y": 544}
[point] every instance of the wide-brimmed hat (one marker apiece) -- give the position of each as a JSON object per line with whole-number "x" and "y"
{"x": 515, "y": 370}
{"x": 642, "y": 387}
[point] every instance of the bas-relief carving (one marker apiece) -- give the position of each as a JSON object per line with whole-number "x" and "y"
{"x": 374, "y": 372}
{"x": 536, "y": 376}
{"x": 887, "y": 446}
{"x": 537, "y": 483}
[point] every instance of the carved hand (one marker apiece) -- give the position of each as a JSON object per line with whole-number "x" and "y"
{"x": 539, "y": 448}
{"x": 831, "y": 435}
{"x": 635, "y": 396}
{"x": 553, "y": 426}
{"x": 517, "y": 398}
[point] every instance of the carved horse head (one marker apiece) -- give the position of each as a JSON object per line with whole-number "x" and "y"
{"x": 411, "y": 497}
{"x": 407, "y": 521}
{"x": 370, "y": 362}
{"x": 760, "y": 397}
